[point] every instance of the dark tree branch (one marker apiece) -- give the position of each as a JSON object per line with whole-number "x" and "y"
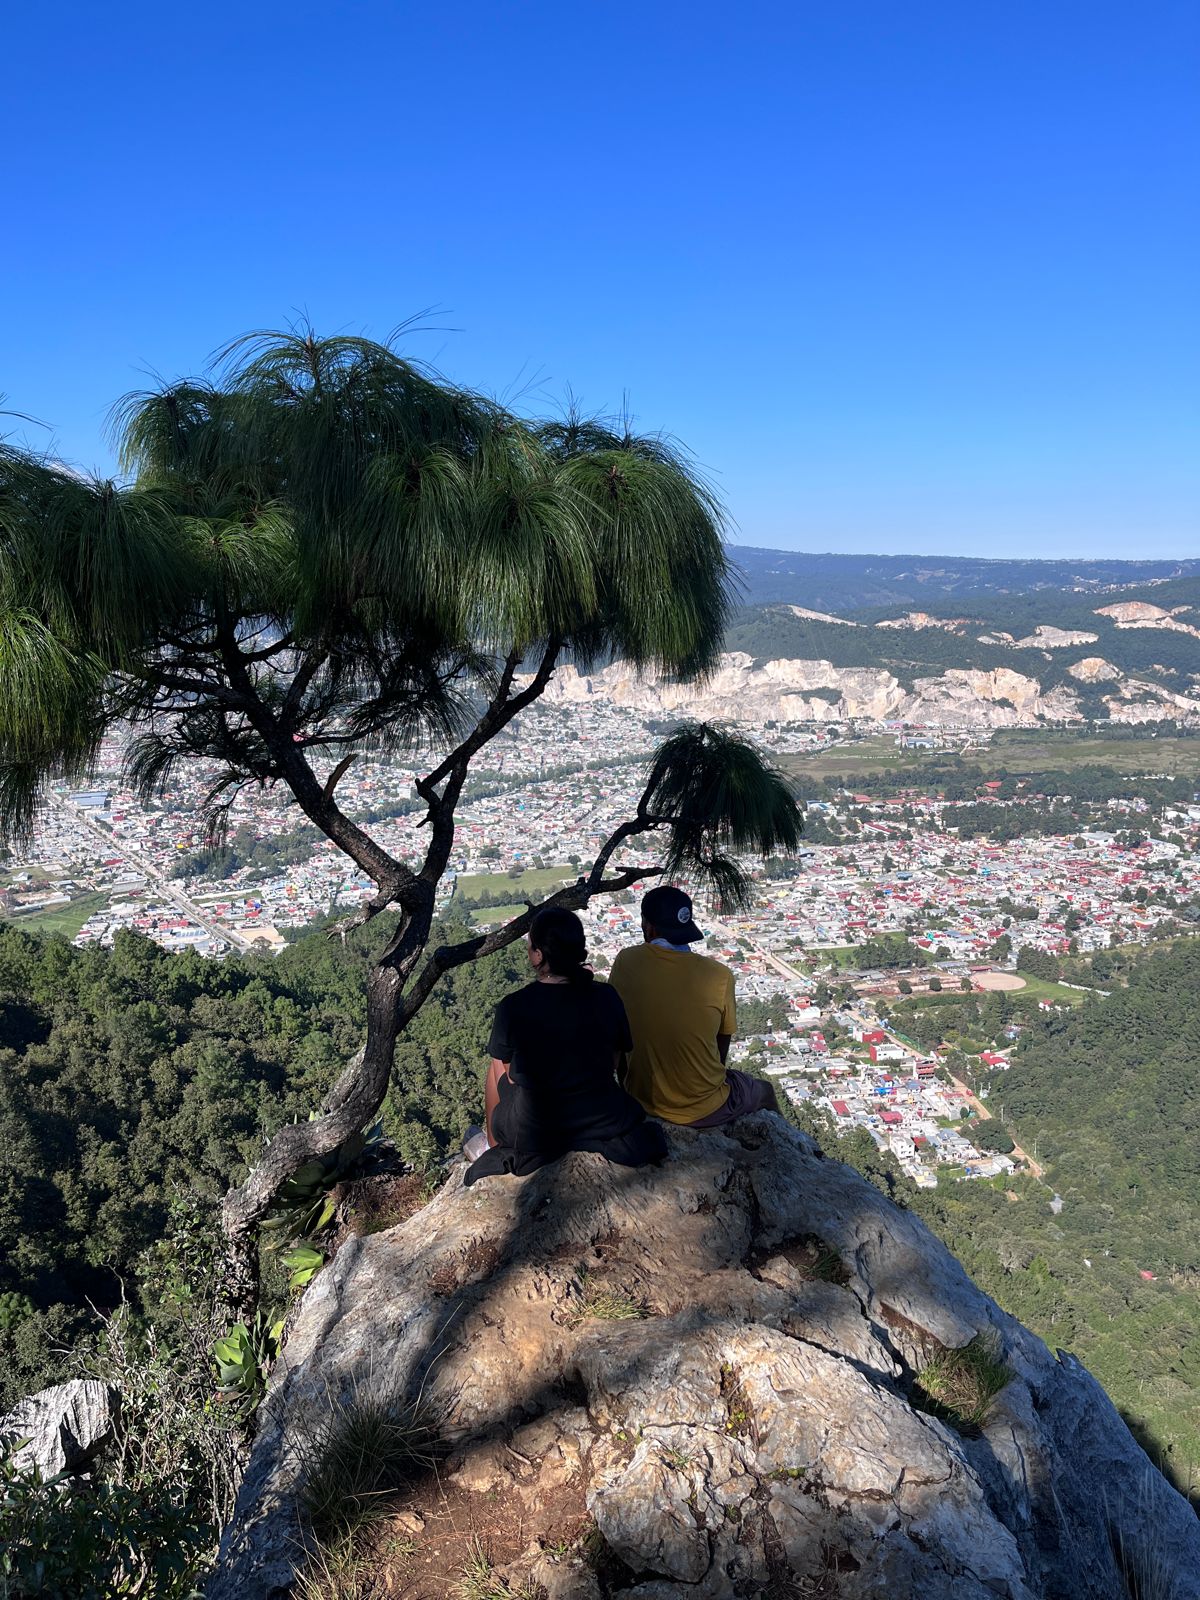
{"x": 294, "y": 698}
{"x": 500, "y": 710}
{"x": 335, "y": 777}
{"x": 393, "y": 877}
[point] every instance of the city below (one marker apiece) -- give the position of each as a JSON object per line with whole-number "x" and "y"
{"x": 815, "y": 1011}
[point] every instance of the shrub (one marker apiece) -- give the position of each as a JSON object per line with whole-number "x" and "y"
{"x": 63, "y": 1540}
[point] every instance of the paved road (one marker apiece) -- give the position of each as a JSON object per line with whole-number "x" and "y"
{"x": 169, "y": 888}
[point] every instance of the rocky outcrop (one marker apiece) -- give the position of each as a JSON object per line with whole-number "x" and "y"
{"x": 816, "y": 691}
{"x": 744, "y": 690}
{"x": 922, "y": 619}
{"x": 1094, "y": 669}
{"x": 714, "y": 1365}
{"x": 1044, "y": 637}
{"x": 1140, "y": 614}
{"x": 821, "y": 616}
{"x": 63, "y": 1428}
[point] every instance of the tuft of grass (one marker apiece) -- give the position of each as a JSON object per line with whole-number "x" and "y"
{"x": 481, "y": 1581}
{"x": 367, "y": 1448}
{"x": 605, "y": 1305}
{"x": 339, "y": 1571}
{"x": 958, "y": 1386}
{"x": 332, "y": 1572}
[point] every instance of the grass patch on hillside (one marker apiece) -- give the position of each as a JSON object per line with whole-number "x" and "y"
{"x": 531, "y": 884}
{"x": 365, "y": 1449}
{"x": 1023, "y": 752}
{"x": 66, "y": 920}
{"x": 480, "y": 1580}
{"x": 843, "y": 761}
{"x": 603, "y": 1304}
{"x": 1043, "y": 989}
{"x": 1029, "y": 750}
{"x": 487, "y": 916}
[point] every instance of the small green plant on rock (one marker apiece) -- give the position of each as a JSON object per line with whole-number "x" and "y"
{"x": 242, "y": 1357}
{"x": 605, "y": 1305}
{"x": 304, "y": 1262}
{"x": 959, "y": 1386}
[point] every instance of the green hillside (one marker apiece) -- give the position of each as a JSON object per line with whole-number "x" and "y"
{"x": 1164, "y": 656}
{"x": 136, "y": 1085}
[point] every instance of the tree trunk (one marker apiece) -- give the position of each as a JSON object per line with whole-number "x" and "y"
{"x": 349, "y": 1107}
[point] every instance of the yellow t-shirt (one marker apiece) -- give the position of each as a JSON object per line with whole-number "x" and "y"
{"x": 677, "y": 1003}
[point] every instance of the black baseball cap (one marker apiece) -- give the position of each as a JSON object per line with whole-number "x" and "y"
{"x": 670, "y": 911}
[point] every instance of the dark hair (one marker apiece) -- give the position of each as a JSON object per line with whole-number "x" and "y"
{"x": 560, "y": 937}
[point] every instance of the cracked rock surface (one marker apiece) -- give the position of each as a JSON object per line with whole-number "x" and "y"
{"x": 752, "y": 1431}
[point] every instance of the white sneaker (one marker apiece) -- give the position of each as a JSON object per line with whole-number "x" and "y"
{"x": 475, "y": 1142}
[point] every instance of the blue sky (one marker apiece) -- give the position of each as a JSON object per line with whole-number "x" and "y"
{"x": 915, "y": 277}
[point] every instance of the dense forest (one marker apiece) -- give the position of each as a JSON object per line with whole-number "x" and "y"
{"x": 1109, "y": 1098}
{"x": 132, "y": 1080}
{"x": 135, "y": 1085}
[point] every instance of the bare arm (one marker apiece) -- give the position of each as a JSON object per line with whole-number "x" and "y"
{"x": 728, "y": 1023}
{"x": 491, "y": 1094}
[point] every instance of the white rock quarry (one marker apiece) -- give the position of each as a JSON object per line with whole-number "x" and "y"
{"x": 1094, "y": 669}
{"x": 1140, "y": 614}
{"x": 1044, "y": 637}
{"x": 754, "y": 1432}
{"x": 816, "y": 691}
{"x": 922, "y": 619}
{"x": 794, "y": 690}
{"x": 821, "y": 616}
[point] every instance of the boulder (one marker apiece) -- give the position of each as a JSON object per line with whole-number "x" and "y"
{"x": 65, "y": 1427}
{"x": 717, "y": 1359}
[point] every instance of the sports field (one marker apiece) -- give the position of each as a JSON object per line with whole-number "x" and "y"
{"x": 534, "y": 883}
{"x": 1019, "y": 751}
{"x": 66, "y": 920}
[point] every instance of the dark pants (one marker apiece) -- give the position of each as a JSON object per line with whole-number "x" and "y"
{"x": 746, "y": 1094}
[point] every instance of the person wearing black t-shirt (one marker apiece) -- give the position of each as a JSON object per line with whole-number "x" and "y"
{"x": 552, "y": 1083}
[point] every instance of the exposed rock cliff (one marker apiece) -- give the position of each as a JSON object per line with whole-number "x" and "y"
{"x": 817, "y": 691}
{"x": 1139, "y": 614}
{"x": 754, "y": 1432}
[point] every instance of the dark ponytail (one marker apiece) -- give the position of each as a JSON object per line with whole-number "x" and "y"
{"x": 559, "y": 936}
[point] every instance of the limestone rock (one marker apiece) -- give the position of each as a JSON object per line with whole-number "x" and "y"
{"x": 745, "y": 690}
{"x": 1045, "y": 637}
{"x": 1094, "y": 669}
{"x": 752, "y": 1430}
{"x": 66, "y": 1426}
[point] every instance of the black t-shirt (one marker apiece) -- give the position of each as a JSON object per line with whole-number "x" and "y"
{"x": 560, "y": 1041}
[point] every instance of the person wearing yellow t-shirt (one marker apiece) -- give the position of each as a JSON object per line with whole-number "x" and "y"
{"x": 682, "y": 1015}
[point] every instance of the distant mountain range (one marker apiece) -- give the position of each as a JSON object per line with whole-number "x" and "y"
{"x": 828, "y": 582}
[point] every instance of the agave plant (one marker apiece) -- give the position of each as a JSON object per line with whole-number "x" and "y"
{"x": 305, "y": 1204}
{"x": 305, "y": 1261}
{"x": 242, "y": 1358}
